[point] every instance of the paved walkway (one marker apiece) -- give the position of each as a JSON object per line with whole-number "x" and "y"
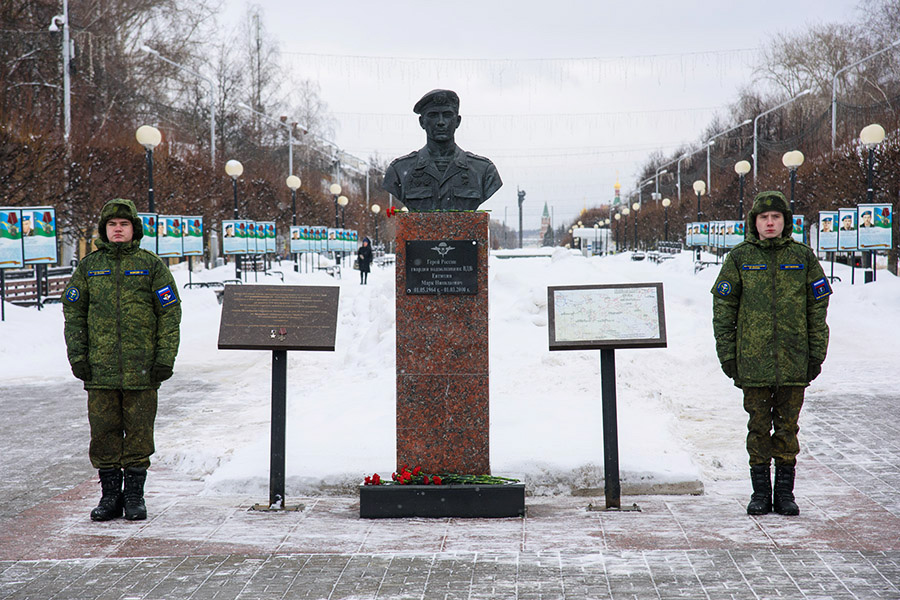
{"x": 844, "y": 544}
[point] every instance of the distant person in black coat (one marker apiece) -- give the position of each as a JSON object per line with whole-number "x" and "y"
{"x": 364, "y": 257}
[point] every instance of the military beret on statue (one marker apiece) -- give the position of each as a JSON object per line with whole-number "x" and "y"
{"x": 439, "y": 97}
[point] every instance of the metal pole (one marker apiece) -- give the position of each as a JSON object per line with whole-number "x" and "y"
{"x": 793, "y": 180}
{"x": 611, "y": 487}
{"x": 521, "y": 194}
{"x": 150, "y": 203}
{"x": 667, "y": 225}
{"x": 741, "y": 201}
{"x": 279, "y": 418}
{"x": 708, "y": 172}
{"x": 67, "y": 85}
{"x": 336, "y": 222}
{"x": 237, "y": 257}
{"x": 870, "y": 196}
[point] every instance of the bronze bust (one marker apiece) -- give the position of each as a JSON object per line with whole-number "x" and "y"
{"x": 441, "y": 176}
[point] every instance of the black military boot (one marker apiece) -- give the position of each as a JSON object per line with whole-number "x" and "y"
{"x": 111, "y": 502}
{"x": 784, "y": 491}
{"x": 135, "y": 510}
{"x": 761, "y": 499}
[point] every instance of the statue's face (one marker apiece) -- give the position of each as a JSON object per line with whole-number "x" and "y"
{"x": 440, "y": 122}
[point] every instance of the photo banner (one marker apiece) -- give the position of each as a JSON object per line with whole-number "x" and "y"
{"x": 270, "y": 237}
{"x": 233, "y": 237}
{"x": 148, "y": 224}
{"x": 689, "y": 235}
{"x": 798, "y": 226}
{"x": 828, "y": 235}
{"x": 295, "y": 239}
{"x": 169, "y": 241}
{"x": 734, "y": 233}
{"x": 39, "y": 235}
{"x": 847, "y": 229}
{"x": 192, "y": 239}
{"x": 250, "y": 236}
{"x": 12, "y": 253}
{"x": 875, "y": 222}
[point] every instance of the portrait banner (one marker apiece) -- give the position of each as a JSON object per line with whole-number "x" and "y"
{"x": 874, "y": 229}
{"x": 39, "y": 235}
{"x": 270, "y": 237}
{"x": 797, "y": 228}
{"x": 847, "y": 239}
{"x": 828, "y": 235}
{"x": 12, "y": 253}
{"x": 148, "y": 225}
{"x": 734, "y": 233}
{"x": 192, "y": 238}
{"x": 233, "y": 241}
{"x": 169, "y": 242}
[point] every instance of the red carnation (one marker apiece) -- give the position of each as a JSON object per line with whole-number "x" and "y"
{"x": 426, "y": 480}
{"x": 436, "y": 480}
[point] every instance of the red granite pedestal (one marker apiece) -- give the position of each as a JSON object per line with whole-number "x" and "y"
{"x": 442, "y": 356}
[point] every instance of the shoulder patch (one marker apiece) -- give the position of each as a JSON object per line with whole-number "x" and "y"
{"x": 72, "y": 294}
{"x": 820, "y": 288}
{"x": 723, "y": 288}
{"x": 753, "y": 267}
{"x": 166, "y": 296}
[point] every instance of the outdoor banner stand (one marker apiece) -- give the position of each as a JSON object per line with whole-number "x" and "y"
{"x": 606, "y": 317}
{"x": 278, "y": 318}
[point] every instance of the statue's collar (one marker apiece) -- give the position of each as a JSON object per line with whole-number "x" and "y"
{"x": 424, "y": 158}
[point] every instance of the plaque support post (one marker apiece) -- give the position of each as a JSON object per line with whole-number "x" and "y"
{"x": 611, "y": 487}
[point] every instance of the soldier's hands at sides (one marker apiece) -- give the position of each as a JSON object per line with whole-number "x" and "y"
{"x": 82, "y": 370}
{"x": 160, "y": 372}
{"x": 729, "y": 367}
{"x": 813, "y": 369}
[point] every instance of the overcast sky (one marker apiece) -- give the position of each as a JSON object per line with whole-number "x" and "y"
{"x": 563, "y": 96}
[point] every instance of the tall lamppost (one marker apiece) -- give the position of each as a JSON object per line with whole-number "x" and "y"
{"x": 596, "y": 230}
{"x": 792, "y": 160}
{"x": 666, "y": 203}
{"x": 55, "y": 23}
{"x": 699, "y": 189}
{"x": 335, "y": 190}
{"x": 234, "y": 169}
{"x": 635, "y": 207}
{"x": 343, "y": 201}
{"x": 149, "y": 137}
{"x": 606, "y": 233}
{"x": 618, "y": 218}
{"x": 741, "y": 167}
{"x": 871, "y": 136}
{"x": 625, "y": 212}
{"x": 293, "y": 182}
{"x": 375, "y": 210}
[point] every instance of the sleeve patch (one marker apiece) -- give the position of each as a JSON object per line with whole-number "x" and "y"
{"x": 166, "y": 296}
{"x": 820, "y": 288}
{"x": 72, "y": 294}
{"x": 723, "y": 288}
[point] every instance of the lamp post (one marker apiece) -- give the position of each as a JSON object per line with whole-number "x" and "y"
{"x": 699, "y": 189}
{"x": 212, "y": 98}
{"x": 871, "y": 136}
{"x": 792, "y": 160}
{"x": 55, "y": 23}
{"x": 625, "y": 212}
{"x": 756, "y": 120}
{"x": 375, "y": 210}
{"x": 635, "y": 207}
{"x": 343, "y": 201}
{"x": 606, "y": 233}
{"x": 741, "y": 167}
{"x": 656, "y": 191}
{"x": 234, "y": 169}
{"x": 596, "y": 230}
{"x": 666, "y": 203}
{"x": 618, "y": 217}
{"x": 149, "y": 137}
{"x": 335, "y": 190}
{"x": 293, "y": 182}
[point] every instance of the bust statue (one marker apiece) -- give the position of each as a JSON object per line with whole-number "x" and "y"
{"x": 441, "y": 176}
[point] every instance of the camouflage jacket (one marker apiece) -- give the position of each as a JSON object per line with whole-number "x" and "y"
{"x": 122, "y": 314}
{"x": 769, "y": 307}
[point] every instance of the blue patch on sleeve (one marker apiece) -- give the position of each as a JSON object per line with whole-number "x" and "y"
{"x": 820, "y": 288}
{"x": 723, "y": 288}
{"x": 72, "y": 294}
{"x": 166, "y": 296}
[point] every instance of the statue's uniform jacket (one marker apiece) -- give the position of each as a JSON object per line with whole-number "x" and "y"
{"x": 416, "y": 181}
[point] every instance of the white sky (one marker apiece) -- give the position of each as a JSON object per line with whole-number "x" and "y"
{"x": 560, "y": 129}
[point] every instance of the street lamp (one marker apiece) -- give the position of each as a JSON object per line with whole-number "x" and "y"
{"x": 666, "y": 203}
{"x": 635, "y": 207}
{"x": 625, "y": 212}
{"x": 375, "y": 210}
{"x": 149, "y": 137}
{"x": 699, "y": 189}
{"x": 618, "y": 218}
{"x": 55, "y": 23}
{"x": 792, "y": 160}
{"x": 741, "y": 167}
{"x": 342, "y": 201}
{"x": 335, "y": 190}
{"x": 293, "y": 182}
{"x": 234, "y": 169}
{"x": 596, "y": 229}
{"x": 871, "y": 136}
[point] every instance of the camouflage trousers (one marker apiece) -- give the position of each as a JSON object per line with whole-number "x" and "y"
{"x": 773, "y": 425}
{"x": 121, "y": 428}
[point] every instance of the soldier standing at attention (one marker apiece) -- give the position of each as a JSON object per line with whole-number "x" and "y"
{"x": 441, "y": 176}
{"x": 769, "y": 306}
{"x": 122, "y": 319}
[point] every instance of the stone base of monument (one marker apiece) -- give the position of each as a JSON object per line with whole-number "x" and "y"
{"x": 464, "y": 501}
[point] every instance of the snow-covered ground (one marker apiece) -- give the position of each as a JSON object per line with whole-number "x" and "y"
{"x": 680, "y": 420}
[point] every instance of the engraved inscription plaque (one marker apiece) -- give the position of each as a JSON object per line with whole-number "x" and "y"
{"x": 278, "y": 317}
{"x": 442, "y": 267}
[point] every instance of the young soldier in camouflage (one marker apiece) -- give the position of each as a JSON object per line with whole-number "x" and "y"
{"x": 769, "y": 306}
{"x": 122, "y": 315}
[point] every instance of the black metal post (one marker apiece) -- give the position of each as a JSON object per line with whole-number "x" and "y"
{"x": 237, "y": 257}
{"x": 667, "y": 224}
{"x": 336, "y": 222}
{"x": 741, "y": 201}
{"x": 521, "y": 200}
{"x": 870, "y": 196}
{"x": 376, "y": 230}
{"x": 150, "y": 179}
{"x": 294, "y": 223}
{"x": 617, "y": 236}
{"x": 698, "y": 220}
{"x": 611, "y": 485}
{"x": 793, "y": 180}
{"x": 635, "y": 231}
{"x": 279, "y": 418}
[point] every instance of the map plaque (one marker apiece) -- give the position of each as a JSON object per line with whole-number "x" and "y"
{"x": 629, "y": 315}
{"x": 442, "y": 267}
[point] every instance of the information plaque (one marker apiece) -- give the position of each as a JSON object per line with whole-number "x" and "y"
{"x": 278, "y": 317}
{"x": 629, "y": 315}
{"x": 442, "y": 267}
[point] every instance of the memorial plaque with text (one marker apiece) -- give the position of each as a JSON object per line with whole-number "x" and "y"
{"x": 442, "y": 267}
{"x": 278, "y": 317}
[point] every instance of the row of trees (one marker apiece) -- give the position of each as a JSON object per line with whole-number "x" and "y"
{"x": 791, "y": 63}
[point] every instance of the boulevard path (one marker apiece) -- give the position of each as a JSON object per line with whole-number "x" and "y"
{"x": 844, "y": 544}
